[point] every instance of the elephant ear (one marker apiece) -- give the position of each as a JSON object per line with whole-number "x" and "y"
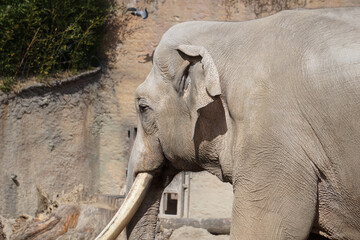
{"x": 207, "y": 86}
{"x": 200, "y": 88}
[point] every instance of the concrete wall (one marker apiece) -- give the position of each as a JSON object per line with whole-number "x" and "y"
{"x": 209, "y": 197}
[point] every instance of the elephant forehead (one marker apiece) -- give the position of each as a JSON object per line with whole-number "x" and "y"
{"x": 153, "y": 87}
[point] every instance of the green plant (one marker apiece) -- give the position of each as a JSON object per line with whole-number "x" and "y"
{"x": 6, "y": 83}
{"x": 42, "y": 37}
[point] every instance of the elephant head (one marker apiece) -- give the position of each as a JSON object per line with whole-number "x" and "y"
{"x": 181, "y": 126}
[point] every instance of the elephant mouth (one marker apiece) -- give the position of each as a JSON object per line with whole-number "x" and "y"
{"x": 127, "y": 210}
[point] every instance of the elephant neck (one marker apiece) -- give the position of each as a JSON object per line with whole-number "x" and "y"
{"x": 226, "y": 159}
{"x": 214, "y": 159}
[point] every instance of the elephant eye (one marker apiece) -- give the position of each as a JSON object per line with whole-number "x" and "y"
{"x": 143, "y": 108}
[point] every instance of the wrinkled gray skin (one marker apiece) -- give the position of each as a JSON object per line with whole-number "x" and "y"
{"x": 271, "y": 106}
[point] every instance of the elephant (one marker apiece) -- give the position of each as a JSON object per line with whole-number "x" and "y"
{"x": 271, "y": 106}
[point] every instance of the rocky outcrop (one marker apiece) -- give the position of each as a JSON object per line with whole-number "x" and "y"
{"x": 53, "y": 138}
{"x": 69, "y": 221}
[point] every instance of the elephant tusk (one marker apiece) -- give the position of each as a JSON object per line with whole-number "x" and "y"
{"x": 127, "y": 210}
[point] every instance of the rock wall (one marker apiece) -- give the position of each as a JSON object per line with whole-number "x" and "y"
{"x": 52, "y": 138}
{"x": 76, "y": 134}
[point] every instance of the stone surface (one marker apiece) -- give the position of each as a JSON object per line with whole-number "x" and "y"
{"x": 191, "y": 233}
{"x": 55, "y": 140}
{"x": 217, "y": 226}
{"x": 68, "y": 221}
{"x": 5, "y": 228}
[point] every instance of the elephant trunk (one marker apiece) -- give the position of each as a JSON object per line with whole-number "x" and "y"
{"x": 127, "y": 210}
{"x": 143, "y": 224}
{"x": 139, "y": 213}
